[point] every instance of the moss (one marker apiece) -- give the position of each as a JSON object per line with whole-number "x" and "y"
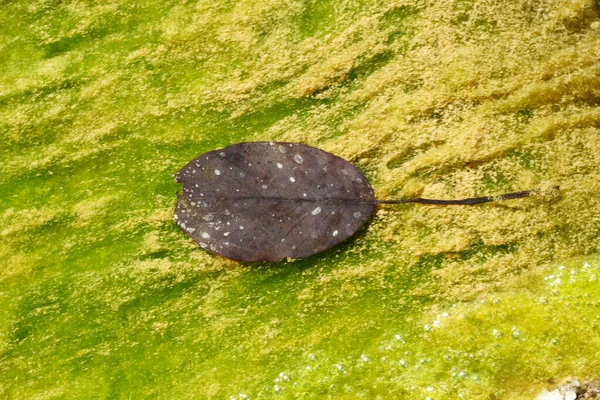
{"x": 104, "y": 297}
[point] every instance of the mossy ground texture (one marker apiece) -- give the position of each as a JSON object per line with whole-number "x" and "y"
{"x": 102, "y": 102}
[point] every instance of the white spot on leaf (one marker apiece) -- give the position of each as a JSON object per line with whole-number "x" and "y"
{"x": 217, "y": 172}
{"x": 316, "y": 211}
{"x": 335, "y": 233}
{"x": 298, "y": 158}
{"x": 292, "y": 179}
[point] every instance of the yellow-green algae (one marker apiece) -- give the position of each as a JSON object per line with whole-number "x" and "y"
{"x": 101, "y": 102}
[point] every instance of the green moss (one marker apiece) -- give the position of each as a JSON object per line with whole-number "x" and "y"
{"x": 101, "y": 103}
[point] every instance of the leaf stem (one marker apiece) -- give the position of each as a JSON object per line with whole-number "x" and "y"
{"x": 464, "y": 202}
{"x": 467, "y": 202}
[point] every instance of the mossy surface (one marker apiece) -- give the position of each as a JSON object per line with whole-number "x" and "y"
{"x": 102, "y": 102}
